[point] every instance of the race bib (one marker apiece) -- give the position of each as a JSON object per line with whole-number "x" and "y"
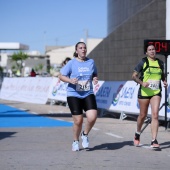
{"x": 154, "y": 84}
{"x": 83, "y": 85}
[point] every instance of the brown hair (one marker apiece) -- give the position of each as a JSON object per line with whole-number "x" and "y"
{"x": 75, "y": 54}
{"x": 146, "y": 47}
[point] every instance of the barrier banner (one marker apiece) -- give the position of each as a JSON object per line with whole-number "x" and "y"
{"x": 29, "y": 89}
{"x": 58, "y": 90}
{"x": 162, "y": 110}
{"x": 114, "y": 96}
{"x": 104, "y": 92}
{"x": 126, "y": 98}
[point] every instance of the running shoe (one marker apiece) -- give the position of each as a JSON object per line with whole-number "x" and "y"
{"x": 75, "y": 146}
{"x": 154, "y": 144}
{"x": 85, "y": 141}
{"x": 136, "y": 139}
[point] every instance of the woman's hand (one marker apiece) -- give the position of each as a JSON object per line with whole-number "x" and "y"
{"x": 145, "y": 84}
{"x": 95, "y": 80}
{"x": 165, "y": 84}
{"x": 74, "y": 81}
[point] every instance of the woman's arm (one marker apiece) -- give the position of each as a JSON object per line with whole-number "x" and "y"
{"x": 164, "y": 80}
{"x": 137, "y": 80}
{"x": 67, "y": 79}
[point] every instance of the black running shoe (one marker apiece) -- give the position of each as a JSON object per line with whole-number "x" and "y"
{"x": 154, "y": 144}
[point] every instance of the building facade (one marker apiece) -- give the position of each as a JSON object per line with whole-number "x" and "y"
{"x": 130, "y": 22}
{"x": 34, "y": 61}
{"x": 58, "y": 55}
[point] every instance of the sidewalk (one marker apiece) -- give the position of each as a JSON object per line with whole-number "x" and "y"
{"x": 49, "y": 148}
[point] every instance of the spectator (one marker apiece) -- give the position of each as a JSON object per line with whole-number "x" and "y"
{"x": 33, "y": 73}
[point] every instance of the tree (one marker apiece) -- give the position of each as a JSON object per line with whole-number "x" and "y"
{"x": 40, "y": 67}
{"x": 18, "y": 58}
{"x": 1, "y": 71}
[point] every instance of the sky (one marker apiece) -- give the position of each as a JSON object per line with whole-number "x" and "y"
{"x": 40, "y": 23}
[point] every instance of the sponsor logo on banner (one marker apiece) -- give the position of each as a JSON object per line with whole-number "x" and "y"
{"x": 116, "y": 95}
{"x": 103, "y": 92}
{"x": 55, "y": 88}
{"x": 96, "y": 88}
{"x": 124, "y": 96}
{"x": 59, "y": 89}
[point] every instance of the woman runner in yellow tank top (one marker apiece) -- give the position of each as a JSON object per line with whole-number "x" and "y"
{"x": 149, "y": 93}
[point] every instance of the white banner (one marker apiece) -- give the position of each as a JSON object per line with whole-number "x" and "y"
{"x": 162, "y": 111}
{"x": 114, "y": 96}
{"x": 126, "y": 98}
{"x": 104, "y": 92}
{"x": 58, "y": 90}
{"x": 30, "y": 89}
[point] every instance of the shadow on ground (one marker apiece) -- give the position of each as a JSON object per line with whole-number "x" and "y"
{"x": 111, "y": 146}
{"x": 6, "y": 134}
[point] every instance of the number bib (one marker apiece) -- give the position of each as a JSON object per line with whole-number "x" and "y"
{"x": 154, "y": 84}
{"x": 83, "y": 85}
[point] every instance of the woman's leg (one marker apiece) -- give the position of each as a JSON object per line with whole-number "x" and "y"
{"x": 155, "y": 103}
{"x": 90, "y": 108}
{"x": 91, "y": 116}
{"x": 77, "y": 126}
{"x": 75, "y": 106}
{"x": 143, "y": 103}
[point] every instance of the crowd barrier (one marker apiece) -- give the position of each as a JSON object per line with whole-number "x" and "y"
{"x": 113, "y": 96}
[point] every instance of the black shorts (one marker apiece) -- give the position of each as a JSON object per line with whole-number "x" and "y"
{"x": 77, "y": 105}
{"x": 149, "y": 97}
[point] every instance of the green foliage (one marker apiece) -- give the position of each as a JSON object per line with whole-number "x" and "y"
{"x": 13, "y": 69}
{"x": 40, "y": 66}
{"x": 36, "y": 68}
{"x": 1, "y": 69}
{"x": 18, "y": 58}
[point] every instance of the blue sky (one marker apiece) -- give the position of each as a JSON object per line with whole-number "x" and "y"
{"x": 52, "y": 22}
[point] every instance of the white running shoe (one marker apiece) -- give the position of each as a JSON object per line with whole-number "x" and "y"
{"x": 85, "y": 141}
{"x": 75, "y": 146}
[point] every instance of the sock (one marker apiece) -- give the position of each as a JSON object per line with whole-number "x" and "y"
{"x": 137, "y": 132}
{"x": 137, "y": 135}
{"x": 76, "y": 140}
{"x": 84, "y": 134}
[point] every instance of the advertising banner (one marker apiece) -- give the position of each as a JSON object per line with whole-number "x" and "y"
{"x": 126, "y": 98}
{"x": 105, "y": 91}
{"x": 58, "y": 90}
{"x": 114, "y": 96}
{"x": 30, "y": 89}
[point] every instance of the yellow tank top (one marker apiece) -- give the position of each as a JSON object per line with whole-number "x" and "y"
{"x": 152, "y": 75}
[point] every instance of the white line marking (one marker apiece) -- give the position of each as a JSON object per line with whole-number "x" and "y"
{"x": 60, "y": 119}
{"x": 116, "y": 136}
{"x": 34, "y": 113}
{"x": 23, "y": 109}
{"x": 95, "y": 128}
{"x": 71, "y": 121}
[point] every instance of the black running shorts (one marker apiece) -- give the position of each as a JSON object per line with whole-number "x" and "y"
{"x": 149, "y": 97}
{"x": 77, "y": 105}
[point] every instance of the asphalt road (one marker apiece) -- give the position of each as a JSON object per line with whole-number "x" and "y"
{"x": 49, "y": 148}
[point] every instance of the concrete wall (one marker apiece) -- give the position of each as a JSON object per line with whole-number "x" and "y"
{"x": 117, "y": 55}
{"x": 121, "y": 10}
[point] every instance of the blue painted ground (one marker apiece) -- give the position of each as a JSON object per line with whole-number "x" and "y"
{"x": 13, "y": 117}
